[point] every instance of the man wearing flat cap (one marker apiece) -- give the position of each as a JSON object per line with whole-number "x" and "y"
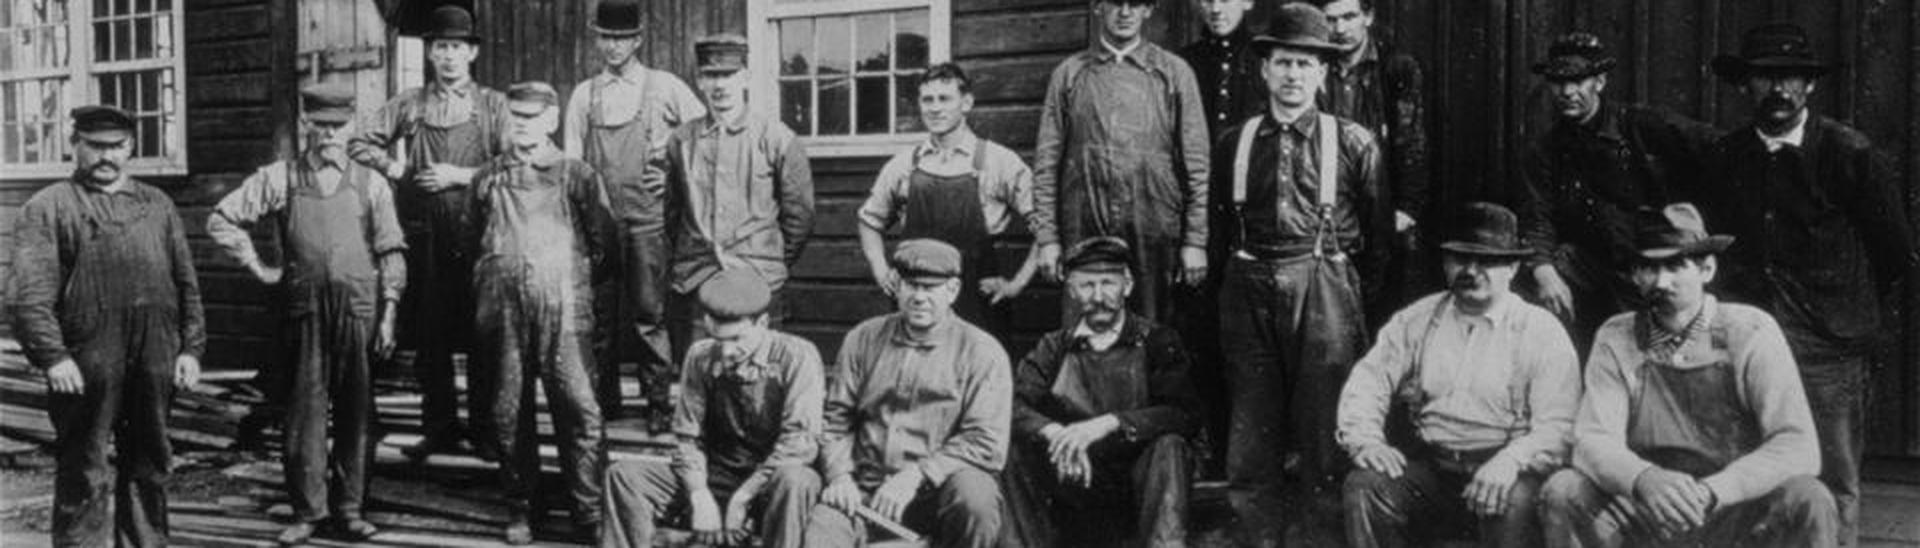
{"x": 748, "y": 424}
{"x": 539, "y": 216}
{"x": 1695, "y": 430}
{"x": 343, "y": 277}
{"x": 1601, "y": 162}
{"x": 428, "y": 142}
{"x": 917, "y": 414}
{"x": 1828, "y": 245}
{"x": 1480, "y": 387}
{"x": 740, "y": 188}
{"x": 105, "y": 302}
{"x": 1103, "y": 411}
{"x": 619, "y": 121}
{"x": 1304, "y": 213}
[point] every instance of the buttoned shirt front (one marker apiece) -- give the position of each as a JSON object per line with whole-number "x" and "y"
{"x": 939, "y": 401}
{"x": 1231, "y": 87}
{"x": 743, "y": 195}
{"x": 1791, "y": 138}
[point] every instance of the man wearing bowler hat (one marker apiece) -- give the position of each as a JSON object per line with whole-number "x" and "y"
{"x": 619, "y": 122}
{"x": 344, "y": 274}
{"x": 1601, "y": 162}
{"x": 428, "y": 141}
{"x": 105, "y": 302}
{"x": 1486, "y": 384}
{"x": 1827, "y": 241}
{"x": 1306, "y": 213}
{"x": 1694, "y": 430}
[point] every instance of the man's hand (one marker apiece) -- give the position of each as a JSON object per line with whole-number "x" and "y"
{"x": 735, "y": 529}
{"x": 1676, "y": 501}
{"x": 998, "y": 289}
{"x": 441, "y": 176}
{"x": 706, "y": 517}
{"x": 893, "y": 496}
{"x": 266, "y": 274}
{"x": 1553, "y": 290}
{"x": 1067, "y": 447}
{"x": 65, "y": 378}
{"x": 186, "y": 371}
{"x": 1402, "y": 221}
{"x": 395, "y": 171}
{"x": 842, "y": 494}
{"x": 1049, "y": 259}
{"x": 1193, "y": 265}
{"x": 384, "y": 339}
{"x": 1382, "y": 458}
{"x": 1487, "y": 494}
{"x": 887, "y": 278}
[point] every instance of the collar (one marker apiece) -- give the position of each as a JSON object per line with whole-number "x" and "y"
{"x": 963, "y": 144}
{"x": 1605, "y": 122}
{"x": 122, "y": 186}
{"x": 461, "y": 91}
{"x": 1792, "y": 137}
{"x": 948, "y": 330}
{"x": 1126, "y": 332}
{"x": 1369, "y": 53}
{"x": 312, "y": 160}
{"x": 1303, "y": 126}
{"x": 1662, "y": 344}
{"x": 542, "y": 156}
{"x": 1499, "y": 314}
{"x": 1232, "y": 40}
{"x": 1109, "y": 52}
{"x": 632, "y": 73}
{"x": 715, "y": 123}
{"x": 756, "y": 362}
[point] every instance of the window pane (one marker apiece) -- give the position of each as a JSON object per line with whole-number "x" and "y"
{"x": 150, "y": 91}
{"x": 871, "y": 41}
{"x": 123, "y": 39}
{"x": 834, "y": 107}
{"x": 120, "y": 7}
{"x": 910, "y": 36}
{"x": 149, "y": 132}
{"x": 835, "y": 43}
{"x": 102, "y": 41}
{"x": 796, "y": 105}
{"x": 871, "y": 111}
{"x": 143, "y": 45}
{"x": 796, "y": 46}
{"x": 906, "y": 104}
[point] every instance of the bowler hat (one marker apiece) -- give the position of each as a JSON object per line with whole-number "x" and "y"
{"x": 1675, "y": 231}
{"x": 451, "y": 23}
{"x": 617, "y": 18}
{"x": 1574, "y": 56}
{"x": 1774, "y": 48}
{"x": 1298, "y": 26}
{"x": 1487, "y": 230}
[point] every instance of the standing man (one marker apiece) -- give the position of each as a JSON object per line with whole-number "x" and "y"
{"x": 619, "y": 122}
{"x": 428, "y": 141}
{"x": 917, "y": 415}
{"x": 1694, "y": 429}
{"x": 1829, "y": 242}
{"x": 1305, "y": 203}
{"x": 106, "y": 303}
{"x": 957, "y": 188}
{"x": 1489, "y": 384}
{"x": 1102, "y": 411}
{"x": 748, "y": 425}
{"x": 539, "y": 216}
{"x": 344, "y": 253}
{"x": 1123, "y": 152}
{"x": 741, "y": 187}
{"x": 1601, "y": 162}
{"x": 1224, "y": 65}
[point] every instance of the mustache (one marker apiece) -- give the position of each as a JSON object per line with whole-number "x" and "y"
{"x": 1776, "y": 102}
{"x": 1465, "y": 281}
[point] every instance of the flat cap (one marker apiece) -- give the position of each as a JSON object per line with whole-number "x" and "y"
{"x": 530, "y": 98}
{"x": 721, "y": 53}
{"x": 926, "y": 258}
{"x": 327, "y": 102}
{"x": 102, "y": 123}
{"x": 1099, "y": 254}
{"x": 735, "y": 293}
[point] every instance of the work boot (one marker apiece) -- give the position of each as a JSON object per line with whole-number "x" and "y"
{"x": 296, "y": 534}
{"x": 357, "y": 529}
{"x": 519, "y": 531}
{"x": 444, "y": 440}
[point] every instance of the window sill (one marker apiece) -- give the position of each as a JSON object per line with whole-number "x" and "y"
{"x": 60, "y": 171}
{"x": 864, "y": 146}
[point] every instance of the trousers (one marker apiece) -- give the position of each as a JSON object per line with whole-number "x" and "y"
{"x": 1575, "y": 512}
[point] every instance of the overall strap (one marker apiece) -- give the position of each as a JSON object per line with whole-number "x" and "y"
{"x": 1241, "y": 152}
{"x": 1328, "y": 132}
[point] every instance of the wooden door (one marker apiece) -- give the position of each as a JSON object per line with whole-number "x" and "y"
{"x": 345, "y": 41}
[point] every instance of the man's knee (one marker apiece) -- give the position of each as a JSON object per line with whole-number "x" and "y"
{"x": 794, "y": 480}
{"x": 972, "y": 492}
{"x": 1566, "y": 492}
{"x": 1806, "y": 501}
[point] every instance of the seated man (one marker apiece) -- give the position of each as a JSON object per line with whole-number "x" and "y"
{"x": 748, "y": 421}
{"x": 1695, "y": 429}
{"x": 1489, "y": 383}
{"x": 917, "y": 415}
{"x": 1101, "y": 410}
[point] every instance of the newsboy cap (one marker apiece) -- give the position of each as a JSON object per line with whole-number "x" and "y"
{"x": 735, "y": 293}
{"x": 926, "y": 258}
{"x": 327, "y": 102}
{"x": 531, "y": 98}
{"x": 1099, "y": 254}
{"x": 102, "y": 123}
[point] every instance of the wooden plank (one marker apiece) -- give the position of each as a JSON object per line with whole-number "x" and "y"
{"x": 1010, "y": 80}
{"x": 230, "y": 123}
{"x": 248, "y": 89}
{"x": 831, "y": 260}
{"x": 239, "y": 155}
{"x": 837, "y": 216}
{"x": 836, "y": 303}
{"x": 1016, "y": 126}
{"x": 1020, "y": 33}
{"x": 241, "y": 21}
{"x": 228, "y": 57}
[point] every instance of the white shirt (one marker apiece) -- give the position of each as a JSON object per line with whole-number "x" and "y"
{"x": 1100, "y": 341}
{"x": 1791, "y": 137}
{"x": 1121, "y": 53}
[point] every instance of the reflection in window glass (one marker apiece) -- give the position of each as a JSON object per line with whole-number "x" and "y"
{"x": 833, "y": 46}
{"x": 883, "y": 51}
{"x": 835, "y": 107}
{"x": 796, "y": 105}
{"x": 871, "y": 43}
{"x": 910, "y": 34}
{"x": 796, "y": 47}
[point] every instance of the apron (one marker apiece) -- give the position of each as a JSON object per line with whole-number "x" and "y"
{"x": 1692, "y": 420}
{"x": 332, "y": 264}
{"x": 1094, "y": 383}
{"x": 437, "y": 228}
{"x": 947, "y": 208}
{"x": 619, "y": 150}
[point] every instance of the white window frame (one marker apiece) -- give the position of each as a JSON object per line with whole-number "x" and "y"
{"x": 82, "y": 88}
{"x": 764, "y": 53}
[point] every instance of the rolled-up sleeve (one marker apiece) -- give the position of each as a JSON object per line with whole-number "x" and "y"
{"x": 980, "y": 438}
{"x": 261, "y": 194}
{"x": 881, "y": 209}
{"x": 389, "y": 243}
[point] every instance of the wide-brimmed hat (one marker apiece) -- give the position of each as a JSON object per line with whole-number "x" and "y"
{"x": 1486, "y": 230}
{"x": 1775, "y": 47}
{"x": 450, "y": 22}
{"x": 617, "y": 18}
{"x": 1676, "y": 230}
{"x": 1575, "y": 56}
{"x": 1298, "y": 26}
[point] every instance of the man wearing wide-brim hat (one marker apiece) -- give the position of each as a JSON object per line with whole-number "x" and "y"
{"x": 1484, "y": 386}
{"x": 105, "y": 301}
{"x": 1694, "y": 429}
{"x": 1303, "y": 213}
{"x": 1827, "y": 242}
{"x": 1601, "y": 161}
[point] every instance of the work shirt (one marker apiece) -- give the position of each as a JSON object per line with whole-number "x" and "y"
{"x": 743, "y": 196}
{"x": 55, "y": 227}
{"x": 1137, "y": 358}
{"x": 621, "y": 97}
{"x": 1769, "y": 387}
{"x": 1382, "y": 92}
{"x": 1505, "y": 378}
{"x": 268, "y": 191}
{"x": 541, "y": 220}
{"x": 434, "y": 105}
{"x": 1281, "y": 214}
{"x": 1006, "y": 184}
{"x": 941, "y": 401}
{"x": 1228, "y": 71}
{"x": 752, "y": 417}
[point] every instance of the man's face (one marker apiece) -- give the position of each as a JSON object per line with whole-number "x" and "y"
{"x": 943, "y": 108}
{"x": 1350, "y": 22}
{"x": 734, "y": 340}
{"x": 532, "y": 129}
{"x": 328, "y": 138}
{"x": 1576, "y": 99}
{"x": 1676, "y": 284}
{"x": 926, "y": 301}
{"x": 1121, "y": 21}
{"x": 1223, "y": 16}
{"x": 1476, "y": 279}
{"x": 1293, "y": 76}
{"x": 725, "y": 90}
{"x": 101, "y": 156}
{"x": 1778, "y": 97}
{"x": 616, "y": 50}
{"x": 452, "y": 59}
{"x": 1101, "y": 296}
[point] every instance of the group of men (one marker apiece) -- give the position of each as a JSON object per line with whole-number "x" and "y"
{"x": 1240, "y": 223}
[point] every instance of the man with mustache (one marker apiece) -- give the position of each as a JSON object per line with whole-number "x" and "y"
{"x": 1102, "y": 414}
{"x": 1695, "y": 430}
{"x": 105, "y": 302}
{"x": 1829, "y": 243}
{"x": 918, "y": 408}
{"x": 1485, "y": 385}
{"x": 1307, "y": 213}
{"x": 619, "y": 122}
{"x": 1601, "y": 162}
{"x": 345, "y": 270}
{"x": 429, "y": 141}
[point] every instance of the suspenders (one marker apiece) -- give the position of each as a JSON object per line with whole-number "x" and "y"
{"x": 1328, "y": 136}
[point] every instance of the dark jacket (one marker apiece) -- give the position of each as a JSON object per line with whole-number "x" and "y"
{"x": 1231, "y": 88}
{"x": 1171, "y": 406}
{"x": 1383, "y": 93}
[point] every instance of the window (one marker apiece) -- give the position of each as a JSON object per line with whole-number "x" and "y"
{"x": 842, "y": 73}
{"x": 128, "y": 55}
